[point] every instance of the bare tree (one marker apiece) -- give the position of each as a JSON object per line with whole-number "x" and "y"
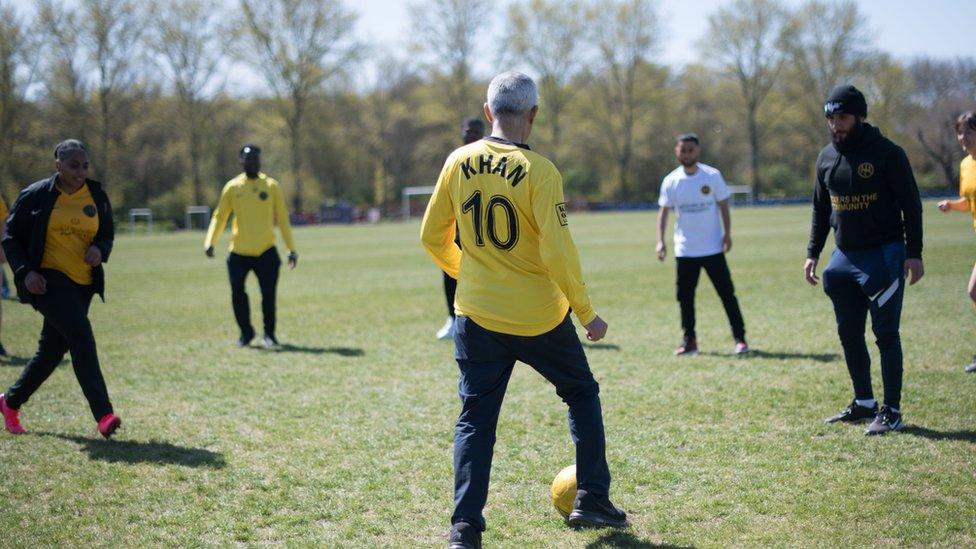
{"x": 545, "y": 36}
{"x": 742, "y": 40}
{"x": 110, "y": 33}
{"x": 827, "y": 44}
{"x": 300, "y": 44}
{"x": 448, "y": 31}
{"x": 624, "y": 34}
{"x": 19, "y": 56}
{"x": 64, "y": 69}
{"x": 942, "y": 89}
{"x": 189, "y": 44}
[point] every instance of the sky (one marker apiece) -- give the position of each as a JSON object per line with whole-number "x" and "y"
{"x": 903, "y": 28}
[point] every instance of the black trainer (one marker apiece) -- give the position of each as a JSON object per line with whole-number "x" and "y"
{"x": 887, "y": 420}
{"x": 464, "y": 536}
{"x": 591, "y": 510}
{"x": 245, "y": 339}
{"x": 854, "y": 413}
{"x": 972, "y": 367}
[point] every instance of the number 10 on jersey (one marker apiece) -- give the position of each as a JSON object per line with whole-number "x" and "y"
{"x": 486, "y": 220}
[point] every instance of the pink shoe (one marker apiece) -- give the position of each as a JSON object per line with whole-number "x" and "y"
{"x": 741, "y": 347}
{"x": 10, "y": 417}
{"x": 108, "y": 424}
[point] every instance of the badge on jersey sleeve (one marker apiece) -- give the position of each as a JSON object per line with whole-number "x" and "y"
{"x": 561, "y": 214}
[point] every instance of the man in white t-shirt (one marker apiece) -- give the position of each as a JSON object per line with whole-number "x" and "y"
{"x": 702, "y": 235}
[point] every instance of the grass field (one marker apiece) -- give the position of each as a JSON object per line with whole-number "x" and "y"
{"x": 343, "y": 437}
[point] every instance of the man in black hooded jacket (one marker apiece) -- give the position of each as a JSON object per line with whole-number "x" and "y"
{"x": 865, "y": 190}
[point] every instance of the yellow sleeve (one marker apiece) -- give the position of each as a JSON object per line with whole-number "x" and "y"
{"x": 219, "y": 220}
{"x": 556, "y": 246}
{"x": 281, "y": 216}
{"x": 438, "y": 226}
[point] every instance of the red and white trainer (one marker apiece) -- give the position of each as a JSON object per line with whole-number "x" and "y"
{"x": 741, "y": 347}
{"x": 11, "y": 417}
{"x": 108, "y": 424}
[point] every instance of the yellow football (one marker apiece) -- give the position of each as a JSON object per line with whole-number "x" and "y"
{"x": 563, "y": 490}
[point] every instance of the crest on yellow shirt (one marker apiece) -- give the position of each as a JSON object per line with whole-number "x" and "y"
{"x": 89, "y": 210}
{"x": 865, "y": 170}
{"x": 561, "y": 214}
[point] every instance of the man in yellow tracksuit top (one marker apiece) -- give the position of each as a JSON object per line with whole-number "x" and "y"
{"x": 257, "y": 203}
{"x": 518, "y": 277}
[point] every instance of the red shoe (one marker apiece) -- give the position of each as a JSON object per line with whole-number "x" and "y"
{"x": 10, "y": 417}
{"x": 108, "y": 424}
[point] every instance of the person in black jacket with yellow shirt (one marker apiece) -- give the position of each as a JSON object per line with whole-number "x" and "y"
{"x": 866, "y": 191}
{"x": 257, "y": 203}
{"x": 59, "y": 233}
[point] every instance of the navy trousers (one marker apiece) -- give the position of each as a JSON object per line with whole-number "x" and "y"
{"x": 266, "y": 267}
{"x": 872, "y": 281}
{"x": 66, "y": 329}
{"x": 486, "y": 360}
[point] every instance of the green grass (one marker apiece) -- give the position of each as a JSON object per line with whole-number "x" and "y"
{"x": 344, "y": 437}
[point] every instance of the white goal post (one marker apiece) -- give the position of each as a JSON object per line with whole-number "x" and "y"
{"x": 745, "y": 191}
{"x": 413, "y": 191}
{"x": 136, "y": 213}
{"x": 203, "y": 211}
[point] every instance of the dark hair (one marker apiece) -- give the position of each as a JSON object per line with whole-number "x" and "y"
{"x": 67, "y": 148}
{"x": 689, "y": 137}
{"x": 472, "y": 121}
{"x": 967, "y": 118}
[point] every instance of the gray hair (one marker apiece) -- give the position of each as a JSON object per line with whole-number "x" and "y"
{"x": 67, "y": 148}
{"x": 512, "y": 93}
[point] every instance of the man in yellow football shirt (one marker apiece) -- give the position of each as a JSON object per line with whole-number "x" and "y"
{"x": 966, "y": 133}
{"x": 518, "y": 277}
{"x": 257, "y": 203}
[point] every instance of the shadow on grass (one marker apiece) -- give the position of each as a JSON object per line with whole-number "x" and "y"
{"x": 289, "y": 348}
{"x": 602, "y": 346}
{"x": 12, "y": 360}
{"x": 130, "y": 451}
{"x": 618, "y": 538}
{"x": 966, "y": 436}
{"x": 780, "y": 355}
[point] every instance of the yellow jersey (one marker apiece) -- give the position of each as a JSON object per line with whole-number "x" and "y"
{"x": 967, "y": 183}
{"x": 256, "y": 202}
{"x": 520, "y": 272}
{"x": 71, "y": 230}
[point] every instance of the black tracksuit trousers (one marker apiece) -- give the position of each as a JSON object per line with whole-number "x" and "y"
{"x": 689, "y": 269}
{"x": 66, "y": 329}
{"x": 266, "y": 266}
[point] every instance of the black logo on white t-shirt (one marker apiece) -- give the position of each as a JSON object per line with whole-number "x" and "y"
{"x": 705, "y": 189}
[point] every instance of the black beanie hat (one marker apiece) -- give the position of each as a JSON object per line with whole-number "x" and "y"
{"x": 846, "y": 99}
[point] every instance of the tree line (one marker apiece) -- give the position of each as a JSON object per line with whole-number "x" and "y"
{"x": 149, "y": 88}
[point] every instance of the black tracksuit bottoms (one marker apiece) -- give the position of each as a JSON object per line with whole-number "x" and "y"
{"x": 689, "y": 269}
{"x": 266, "y": 266}
{"x": 66, "y": 328}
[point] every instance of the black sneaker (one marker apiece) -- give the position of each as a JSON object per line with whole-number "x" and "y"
{"x": 464, "y": 536}
{"x": 887, "y": 420}
{"x": 3, "y": 352}
{"x": 270, "y": 342}
{"x": 969, "y": 369}
{"x": 245, "y": 339}
{"x": 854, "y": 413}
{"x": 590, "y": 510}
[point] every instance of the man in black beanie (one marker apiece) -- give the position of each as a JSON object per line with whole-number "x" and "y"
{"x": 865, "y": 190}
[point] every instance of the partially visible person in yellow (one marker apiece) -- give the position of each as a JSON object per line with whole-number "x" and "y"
{"x": 966, "y": 133}
{"x": 257, "y": 203}
{"x": 59, "y": 233}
